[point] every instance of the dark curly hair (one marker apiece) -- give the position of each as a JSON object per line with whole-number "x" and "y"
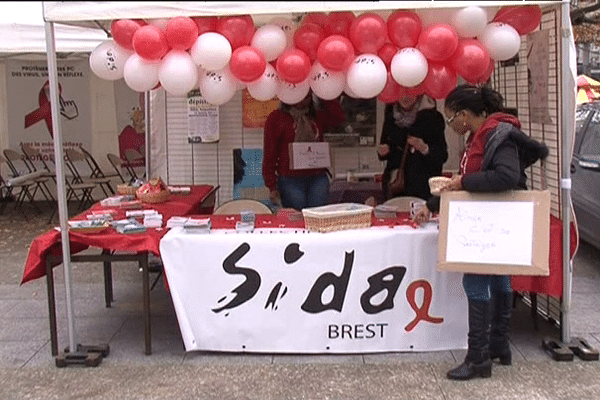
{"x": 478, "y": 100}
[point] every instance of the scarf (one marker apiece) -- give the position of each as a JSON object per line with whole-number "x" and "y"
{"x": 303, "y": 126}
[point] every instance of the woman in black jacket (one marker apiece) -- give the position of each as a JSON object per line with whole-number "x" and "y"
{"x": 496, "y": 156}
{"x": 413, "y": 124}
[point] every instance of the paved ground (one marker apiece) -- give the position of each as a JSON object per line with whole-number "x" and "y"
{"x": 28, "y": 371}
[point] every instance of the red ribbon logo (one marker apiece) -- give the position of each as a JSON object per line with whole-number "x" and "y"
{"x": 423, "y": 311}
{"x": 44, "y": 111}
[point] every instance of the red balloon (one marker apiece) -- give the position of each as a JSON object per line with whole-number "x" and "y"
{"x": 150, "y": 43}
{"x": 386, "y": 53}
{"x": 523, "y": 18}
{"x": 404, "y": 28}
{"x": 247, "y": 64}
{"x": 238, "y": 29}
{"x": 483, "y": 78}
{"x": 206, "y": 24}
{"x": 181, "y": 33}
{"x": 368, "y": 32}
{"x": 471, "y": 59}
{"x": 122, "y": 31}
{"x": 440, "y": 80}
{"x": 412, "y": 91}
{"x": 293, "y": 65}
{"x": 307, "y": 38}
{"x": 391, "y": 90}
{"x": 438, "y": 42}
{"x": 339, "y": 23}
{"x": 320, "y": 19}
{"x": 335, "y": 53}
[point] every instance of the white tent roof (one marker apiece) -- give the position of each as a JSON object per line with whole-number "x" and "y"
{"x": 22, "y": 31}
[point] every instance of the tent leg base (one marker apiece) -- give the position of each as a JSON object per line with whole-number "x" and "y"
{"x": 78, "y": 358}
{"x": 103, "y": 349}
{"x": 582, "y": 349}
{"x": 559, "y": 351}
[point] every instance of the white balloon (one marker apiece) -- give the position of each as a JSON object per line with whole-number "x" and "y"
{"x": 349, "y": 91}
{"x": 108, "y": 59}
{"x": 265, "y": 87}
{"x": 470, "y": 21}
{"x": 501, "y": 40}
{"x": 409, "y": 67}
{"x": 160, "y": 23}
{"x": 270, "y": 40}
{"x": 178, "y": 74}
{"x": 292, "y": 93}
{"x": 211, "y": 51}
{"x": 326, "y": 84}
{"x": 139, "y": 74}
{"x": 367, "y": 75}
{"x": 217, "y": 87}
{"x": 288, "y": 26}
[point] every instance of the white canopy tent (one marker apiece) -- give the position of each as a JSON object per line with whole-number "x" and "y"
{"x": 101, "y": 14}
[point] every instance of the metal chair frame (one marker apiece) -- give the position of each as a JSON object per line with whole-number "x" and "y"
{"x": 12, "y": 157}
{"x": 73, "y": 158}
{"x": 96, "y": 172}
{"x": 117, "y": 164}
{"x": 7, "y": 192}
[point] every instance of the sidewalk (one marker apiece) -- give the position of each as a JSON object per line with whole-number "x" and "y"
{"x": 27, "y": 369}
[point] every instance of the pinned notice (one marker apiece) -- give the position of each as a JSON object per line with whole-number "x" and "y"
{"x": 304, "y": 155}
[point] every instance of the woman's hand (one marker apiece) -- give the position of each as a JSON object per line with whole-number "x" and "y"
{"x": 383, "y": 150}
{"x": 455, "y": 183}
{"x": 275, "y": 197}
{"x": 422, "y": 215}
{"x": 418, "y": 144}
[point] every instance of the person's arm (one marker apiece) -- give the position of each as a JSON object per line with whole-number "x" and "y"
{"x": 270, "y": 148}
{"x": 383, "y": 152}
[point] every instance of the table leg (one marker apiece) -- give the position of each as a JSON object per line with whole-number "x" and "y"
{"x": 146, "y": 294}
{"x": 108, "y": 284}
{"x": 51, "y": 307}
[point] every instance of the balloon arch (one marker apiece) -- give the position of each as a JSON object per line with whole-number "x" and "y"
{"x": 364, "y": 56}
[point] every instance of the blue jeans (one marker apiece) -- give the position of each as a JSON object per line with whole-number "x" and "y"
{"x": 481, "y": 287}
{"x": 299, "y": 192}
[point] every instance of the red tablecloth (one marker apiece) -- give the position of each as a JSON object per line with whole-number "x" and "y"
{"x": 551, "y": 285}
{"x": 110, "y": 239}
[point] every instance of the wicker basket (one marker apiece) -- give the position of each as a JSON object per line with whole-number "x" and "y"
{"x": 335, "y": 217}
{"x": 125, "y": 189}
{"x": 436, "y": 182}
{"x": 153, "y": 197}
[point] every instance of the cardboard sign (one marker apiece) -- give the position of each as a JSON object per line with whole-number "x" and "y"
{"x": 495, "y": 233}
{"x": 304, "y": 155}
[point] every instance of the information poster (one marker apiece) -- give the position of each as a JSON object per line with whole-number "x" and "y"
{"x": 248, "y": 181}
{"x": 203, "y": 119}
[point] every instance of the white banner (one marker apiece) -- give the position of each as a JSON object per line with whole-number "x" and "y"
{"x": 368, "y": 290}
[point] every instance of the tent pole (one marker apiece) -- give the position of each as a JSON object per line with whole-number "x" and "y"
{"x": 147, "y": 134}
{"x": 75, "y": 354}
{"x": 60, "y": 182}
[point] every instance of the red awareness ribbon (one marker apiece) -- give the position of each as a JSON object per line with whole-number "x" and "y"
{"x": 422, "y": 313}
{"x": 44, "y": 111}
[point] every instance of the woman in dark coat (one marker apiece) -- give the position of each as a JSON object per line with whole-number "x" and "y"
{"x": 415, "y": 122}
{"x": 495, "y": 159}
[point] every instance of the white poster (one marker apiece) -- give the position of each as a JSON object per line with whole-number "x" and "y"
{"x": 368, "y": 290}
{"x": 29, "y": 111}
{"x": 203, "y": 119}
{"x": 489, "y": 233}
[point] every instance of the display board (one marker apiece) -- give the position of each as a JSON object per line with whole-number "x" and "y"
{"x": 495, "y": 233}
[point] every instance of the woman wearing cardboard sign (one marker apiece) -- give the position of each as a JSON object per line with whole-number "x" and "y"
{"x": 413, "y": 144}
{"x": 496, "y": 156}
{"x": 292, "y": 123}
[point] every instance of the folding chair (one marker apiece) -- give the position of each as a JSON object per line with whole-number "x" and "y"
{"x": 13, "y": 192}
{"x": 76, "y": 162}
{"x": 133, "y": 159}
{"x": 32, "y": 155}
{"x": 96, "y": 172}
{"x": 117, "y": 164}
{"x": 14, "y": 159}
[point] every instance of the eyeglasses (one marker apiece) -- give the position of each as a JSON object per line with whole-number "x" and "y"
{"x": 449, "y": 120}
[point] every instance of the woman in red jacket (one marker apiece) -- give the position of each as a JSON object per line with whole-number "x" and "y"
{"x": 300, "y": 122}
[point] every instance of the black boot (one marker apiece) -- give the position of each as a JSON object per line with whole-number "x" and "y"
{"x": 499, "y": 345}
{"x": 477, "y": 363}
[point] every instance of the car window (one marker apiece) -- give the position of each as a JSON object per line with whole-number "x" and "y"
{"x": 580, "y": 117}
{"x": 590, "y": 143}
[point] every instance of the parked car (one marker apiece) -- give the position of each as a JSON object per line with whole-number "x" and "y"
{"x": 585, "y": 172}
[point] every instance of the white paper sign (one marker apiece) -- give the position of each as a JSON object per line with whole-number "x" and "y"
{"x": 304, "y": 155}
{"x": 490, "y": 232}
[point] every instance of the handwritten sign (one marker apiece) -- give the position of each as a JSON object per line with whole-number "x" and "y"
{"x": 505, "y": 233}
{"x": 490, "y": 233}
{"x": 304, "y": 155}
